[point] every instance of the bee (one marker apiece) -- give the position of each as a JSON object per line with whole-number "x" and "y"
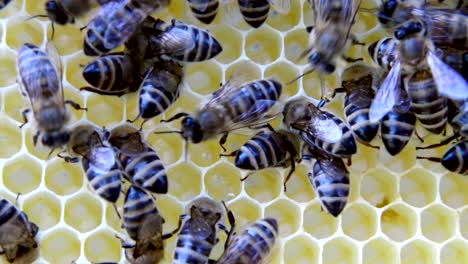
{"x": 457, "y": 59}
{"x": 396, "y": 129}
{"x": 65, "y": 11}
{"x": 4, "y": 3}
{"x": 143, "y": 223}
{"x": 39, "y": 79}
{"x": 159, "y": 89}
{"x": 265, "y": 150}
{"x": 115, "y": 23}
{"x": 141, "y": 164}
{"x": 255, "y": 12}
{"x": 319, "y": 128}
{"x": 204, "y": 10}
{"x": 329, "y": 178}
{"x": 253, "y": 245}
{"x": 394, "y": 12}
{"x": 100, "y": 163}
{"x": 16, "y": 231}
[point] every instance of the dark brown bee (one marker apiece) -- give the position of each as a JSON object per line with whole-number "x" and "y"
{"x": 141, "y": 164}
{"x": 16, "y": 231}
{"x": 204, "y": 10}
{"x": 40, "y": 76}
{"x": 396, "y": 129}
{"x": 4, "y": 3}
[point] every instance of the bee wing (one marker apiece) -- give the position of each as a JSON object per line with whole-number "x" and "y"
{"x": 323, "y": 127}
{"x": 178, "y": 40}
{"x": 54, "y": 56}
{"x": 254, "y": 116}
{"x": 282, "y": 6}
{"x": 332, "y": 166}
{"x": 149, "y": 229}
{"x": 448, "y": 81}
{"x": 361, "y": 99}
{"x": 387, "y": 95}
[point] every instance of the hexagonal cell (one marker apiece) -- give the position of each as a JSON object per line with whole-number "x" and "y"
{"x": 34, "y": 7}
{"x": 318, "y": 223}
{"x": 301, "y": 249}
{"x": 263, "y": 45}
{"x": 365, "y": 159}
{"x": 104, "y": 110}
{"x": 74, "y": 70}
{"x": 222, "y": 182}
{"x": 398, "y": 222}
{"x": 11, "y": 138}
{"x": 8, "y": 71}
{"x": 284, "y": 72}
{"x": 43, "y": 209}
{"x": 339, "y": 249}
{"x": 295, "y": 42}
{"x": 438, "y": 223}
{"x": 71, "y": 93}
{"x": 67, "y": 38}
{"x": 20, "y": 31}
{"x": 188, "y": 102}
{"x": 365, "y": 21}
{"x": 168, "y": 147}
{"x": 22, "y": 174}
{"x": 184, "y": 181}
{"x": 453, "y": 190}
{"x": 170, "y": 210}
{"x": 204, "y": 77}
{"x": 231, "y": 41}
{"x": 245, "y": 211}
{"x": 418, "y": 187}
{"x": 264, "y": 185}
{"x": 418, "y": 252}
{"x": 307, "y": 14}
{"x": 311, "y": 85}
{"x": 247, "y": 69}
{"x": 359, "y": 221}
{"x": 299, "y": 187}
{"x": 405, "y": 160}
{"x": 13, "y": 8}
{"x": 206, "y": 153}
{"x": 63, "y": 178}
{"x": 454, "y": 252}
{"x": 284, "y": 22}
{"x": 464, "y": 223}
{"x": 39, "y": 151}
{"x": 60, "y": 246}
{"x": 379, "y": 251}
{"x": 379, "y": 187}
{"x": 288, "y": 215}
{"x": 83, "y": 212}
{"x": 102, "y": 246}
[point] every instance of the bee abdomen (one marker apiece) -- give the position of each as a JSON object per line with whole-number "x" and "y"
{"x": 208, "y": 14}
{"x": 260, "y": 152}
{"x": 111, "y": 73}
{"x": 191, "y": 250}
{"x": 255, "y": 12}
{"x": 455, "y": 158}
{"x": 137, "y": 206}
{"x": 146, "y": 170}
{"x": 358, "y": 119}
{"x": 345, "y": 147}
{"x": 7, "y": 212}
{"x": 396, "y": 130}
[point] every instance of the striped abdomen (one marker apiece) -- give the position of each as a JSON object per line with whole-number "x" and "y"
{"x": 255, "y": 12}
{"x": 396, "y": 130}
{"x": 429, "y": 107}
{"x": 262, "y": 151}
{"x": 449, "y": 29}
{"x": 204, "y": 10}
{"x": 253, "y": 245}
{"x": 104, "y": 173}
{"x": 455, "y": 159}
{"x": 146, "y": 170}
{"x": 358, "y": 119}
{"x": 383, "y": 53}
{"x": 332, "y": 190}
{"x": 190, "y": 249}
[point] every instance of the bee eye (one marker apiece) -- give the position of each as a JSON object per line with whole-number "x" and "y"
{"x": 329, "y": 68}
{"x": 314, "y": 58}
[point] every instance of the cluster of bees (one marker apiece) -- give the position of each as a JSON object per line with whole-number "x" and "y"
{"x": 421, "y": 75}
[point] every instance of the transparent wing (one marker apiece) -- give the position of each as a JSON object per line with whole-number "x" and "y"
{"x": 361, "y": 98}
{"x": 332, "y": 166}
{"x": 54, "y": 58}
{"x": 255, "y": 116}
{"x": 448, "y": 81}
{"x": 325, "y": 128}
{"x": 387, "y": 95}
{"x": 282, "y": 6}
{"x": 178, "y": 40}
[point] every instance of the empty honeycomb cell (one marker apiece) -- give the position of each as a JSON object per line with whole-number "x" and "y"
{"x": 464, "y": 223}
{"x": 418, "y": 252}
{"x": 399, "y": 222}
{"x": 8, "y": 70}
{"x": 83, "y": 212}
{"x": 170, "y": 209}
{"x": 301, "y": 250}
{"x": 340, "y": 250}
{"x": 104, "y": 110}
{"x": 365, "y": 159}
{"x": 63, "y": 178}
{"x": 284, "y": 22}
{"x": 60, "y": 246}
{"x": 206, "y": 153}
{"x": 379, "y": 251}
{"x": 438, "y": 223}
{"x": 284, "y": 72}
{"x": 299, "y": 187}
{"x": 204, "y": 77}
{"x": 11, "y": 138}
{"x": 67, "y": 39}
{"x": 365, "y": 21}
{"x": 34, "y": 7}
{"x": 102, "y": 246}
{"x": 245, "y": 211}
{"x": 74, "y": 71}
{"x": 184, "y": 181}
{"x": 231, "y": 41}
{"x": 226, "y": 175}
{"x": 12, "y": 9}
{"x": 264, "y": 185}
{"x": 359, "y": 221}
{"x": 263, "y": 45}
{"x": 454, "y": 252}
{"x": 169, "y": 147}
{"x": 288, "y": 215}
{"x": 318, "y": 222}
{"x": 295, "y": 42}
{"x": 418, "y": 187}
{"x": 396, "y": 163}
{"x": 453, "y": 190}
{"x": 379, "y": 187}
{"x": 43, "y": 209}
{"x": 307, "y": 14}
{"x": 14, "y": 104}
{"x": 29, "y": 31}
{"x": 311, "y": 85}
{"x": 22, "y": 174}
{"x": 246, "y": 70}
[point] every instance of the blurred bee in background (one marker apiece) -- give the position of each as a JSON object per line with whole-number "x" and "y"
{"x": 144, "y": 224}
{"x": 16, "y": 231}
{"x": 252, "y": 245}
{"x": 4, "y": 3}
{"x": 329, "y": 178}
{"x": 39, "y": 79}
{"x": 66, "y": 11}
{"x": 319, "y": 128}
{"x": 204, "y": 10}
{"x": 141, "y": 164}
{"x": 392, "y": 13}
{"x": 457, "y": 59}
{"x": 115, "y": 23}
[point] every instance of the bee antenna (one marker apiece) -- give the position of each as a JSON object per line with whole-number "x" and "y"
{"x": 168, "y": 132}
{"x": 300, "y": 76}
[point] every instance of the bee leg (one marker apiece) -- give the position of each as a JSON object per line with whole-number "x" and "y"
{"x": 68, "y": 159}
{"x": 25, "y": 117}
{"x": 232, "y": 223}
{"x": 349, "y": 163}
{"x": 75, "y": 105}
{"x": 369, "y": 145}
{"x": 177, "y": 116}
{"x": 232, "y": 154}
{"x": 36, "y": 137}
{"x": 442, "y": 143}
{"x": 351, "y": 60}
{"x": 175, "y": 231}
{"x": 116, "y": 211}
{"x": 355, "y": 41}
{"x": 434, "y": 159}
{"x": 247, "y": 176}
{"x": 223, "y": 140}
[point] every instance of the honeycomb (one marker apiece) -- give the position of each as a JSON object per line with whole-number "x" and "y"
{"x": 401, "y": 210}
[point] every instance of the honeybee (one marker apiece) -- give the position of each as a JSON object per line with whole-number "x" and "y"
{"x": 329, "y": 178}
{"x": 65, "y": 11}
{"x": 16, "y": 231}
{"x": 253, "y": 245}
{"x": 319, "y": 128}
{"x": 39, "y": 79}
{"x": 204, "y": 10}
{"x": 457, "y": 59}
{"x": 4, "y": 3}
{"x": 116, "y": 22}
{"x": 254, "y": 12}
{"x": 141, "y": 164}
{"x": 396, "y": 129}
{"x": 394, "y": 12}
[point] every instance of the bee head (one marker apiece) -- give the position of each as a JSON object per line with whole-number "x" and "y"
{"x": 316, "y": 59}
{"x": 386, "y": 11}
{"x": 191, "y": 129}
{"x": 408, "y": 30}
{"x": 56, "y": 12}
{"x": 56, "y": 139}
